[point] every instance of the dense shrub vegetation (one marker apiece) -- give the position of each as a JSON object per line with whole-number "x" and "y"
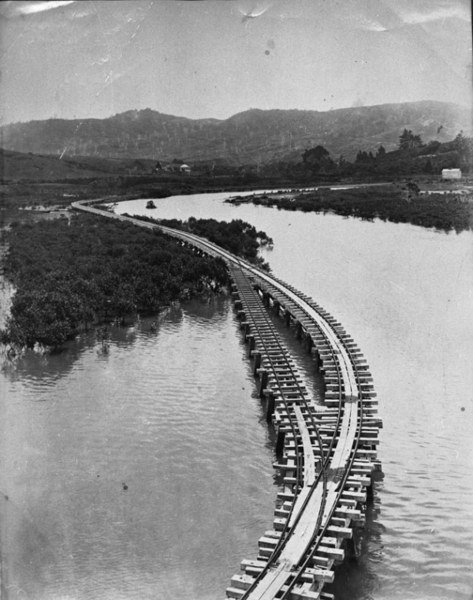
{"x": 390, "y": 203}
{"x": 238, "y": 237}
{"x": 71, "y": 274}
{"x": 445, "y": 212}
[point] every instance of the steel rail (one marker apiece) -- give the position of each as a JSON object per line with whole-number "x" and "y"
{"x": 318, "y": 535}
{"x": 270, "y": 366}
{"x": 325, "y": 455}
{"x": 311, "y": 552}
{"x": 338, "y": 349}
{"x": 312, "y": 547}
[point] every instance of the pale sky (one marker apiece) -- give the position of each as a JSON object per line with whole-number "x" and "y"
{"x": 196, "y": 59}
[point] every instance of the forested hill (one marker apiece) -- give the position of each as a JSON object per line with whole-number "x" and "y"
{"x": 252, "y": 137}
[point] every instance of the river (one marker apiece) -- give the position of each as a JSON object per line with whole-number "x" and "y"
{"x": 145, "y": 472}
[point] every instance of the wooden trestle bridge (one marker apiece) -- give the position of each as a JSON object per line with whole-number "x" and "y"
{"x": 327, "y": 453}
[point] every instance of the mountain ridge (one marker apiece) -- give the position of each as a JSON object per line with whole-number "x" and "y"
{"x": 253, "y": 136}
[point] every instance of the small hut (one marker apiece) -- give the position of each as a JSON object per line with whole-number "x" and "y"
{"x": 451, "y": 174}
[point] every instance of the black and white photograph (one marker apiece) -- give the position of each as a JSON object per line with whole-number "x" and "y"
{"x": 236, "y": 300}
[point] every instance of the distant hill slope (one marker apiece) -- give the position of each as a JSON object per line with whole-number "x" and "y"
{"x": 21, "y": 166}
{"x": 254, "y": 136}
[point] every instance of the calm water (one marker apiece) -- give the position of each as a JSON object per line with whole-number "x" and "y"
{"x": 146, "y": 473}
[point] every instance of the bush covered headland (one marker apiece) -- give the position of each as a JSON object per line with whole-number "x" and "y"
{"x": 71, "y": 274}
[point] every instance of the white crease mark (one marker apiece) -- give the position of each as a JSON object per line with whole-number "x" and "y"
{"x": 36, "y": 7}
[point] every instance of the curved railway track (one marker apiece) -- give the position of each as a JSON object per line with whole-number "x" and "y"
{"x": 285, "y": 569}
{"x": 299, "y": 421}
{"x": 329, "y": 452}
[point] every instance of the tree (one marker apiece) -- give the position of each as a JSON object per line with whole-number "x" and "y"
{"x": 317, "y": 153}
{"x": 381, "y": 152}
{"x": 464, "y": 147}
{"x": 362, "y": 156}
{"x": 408, "y": 140}
{"x": 318, "y": 160}
{"x": 428, "y": 167}
{"x": 412, "y": 188}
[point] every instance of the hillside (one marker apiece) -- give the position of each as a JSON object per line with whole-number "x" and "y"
{"x": 252, "y": 137}
{"x": 39, "y": 167}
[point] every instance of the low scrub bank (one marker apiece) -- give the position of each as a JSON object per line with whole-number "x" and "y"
{"x": 445, "y": 212}
{"x": 238, "y": 237}
{"x": 72, "y": 274}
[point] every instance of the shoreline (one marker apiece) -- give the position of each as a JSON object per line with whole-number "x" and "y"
{"x": 444, "y": 209}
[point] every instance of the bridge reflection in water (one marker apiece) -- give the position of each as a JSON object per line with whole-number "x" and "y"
{"x": 326, "y": 453}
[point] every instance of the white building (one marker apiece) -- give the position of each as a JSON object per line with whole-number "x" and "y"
{"x": 451, "y": 174}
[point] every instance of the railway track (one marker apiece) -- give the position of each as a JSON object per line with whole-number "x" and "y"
{"x": 328, "y": 453}
{"x": 297, "y": 557}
